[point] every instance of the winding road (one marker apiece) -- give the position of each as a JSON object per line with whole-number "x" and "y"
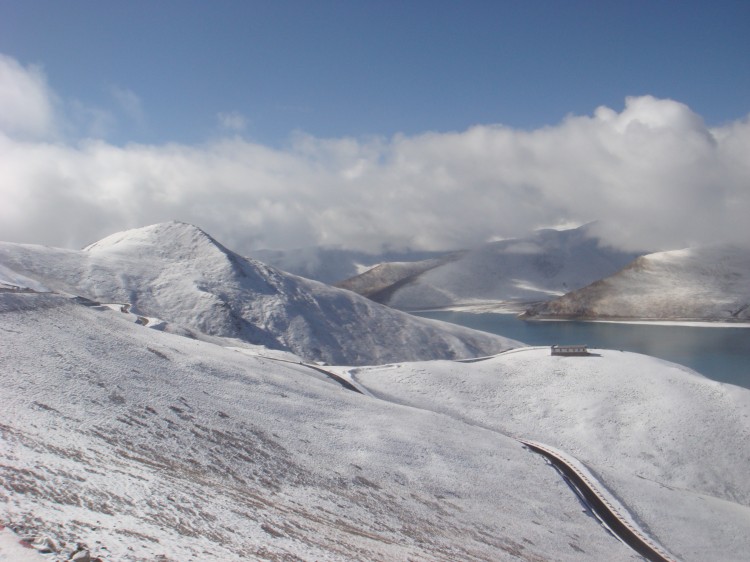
{"x": 600, "y": 505}
{"x": 585, "y": 487}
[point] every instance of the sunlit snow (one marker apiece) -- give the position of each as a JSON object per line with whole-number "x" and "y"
{"x": 138, "y": 430}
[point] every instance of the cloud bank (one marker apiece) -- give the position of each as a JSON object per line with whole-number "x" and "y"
{"x": 653, "y": 174}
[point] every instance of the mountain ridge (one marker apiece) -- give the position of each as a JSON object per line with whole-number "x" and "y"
{"x": 708, "y": 284}
{"x": 177, "y": 272}
{"x": 504, "y": 273}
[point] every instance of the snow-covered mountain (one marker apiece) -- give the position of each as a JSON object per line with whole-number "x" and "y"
{"x": 179, "y": 274}
{"x": 124, "y": 441}
{"x": 706, "y": 284}
{"x": 331, "y": 265}
{"x": 506, "y": 273}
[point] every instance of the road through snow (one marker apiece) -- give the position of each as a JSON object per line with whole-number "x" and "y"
{"x": 625, "y": 530}
{"x": 593, "y": 493}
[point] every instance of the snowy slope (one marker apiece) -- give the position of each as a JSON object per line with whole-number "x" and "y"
{"x": 672, "y": 445}
{"x": 144, "y": 445}
{"x": 176, "y": 272}
{"x": 14, "y": 549}
{"x": 708, "y": 283}
{"x": 13, "y": 281}
{"x": 544, "y": 265}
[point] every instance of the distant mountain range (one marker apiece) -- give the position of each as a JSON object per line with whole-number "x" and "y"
{"x": 704, "y": 284}
{"x": 331, "y": 265}
{"x": 567, "y": 274}
{"x": 179, "y": 274}
{"x": 508, "y": 273}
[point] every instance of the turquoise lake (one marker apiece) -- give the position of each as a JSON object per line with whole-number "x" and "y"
{"x": 722, "y": 354}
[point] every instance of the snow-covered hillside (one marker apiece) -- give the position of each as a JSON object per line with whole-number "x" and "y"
{"x": 178, "y": 273}
{"x": 144, "y": 445}
{"x": 499, "y": 274}
{"x": 708, "y": 283}
{"x": 123, "y": 439}
{"x": 672, "y": 445}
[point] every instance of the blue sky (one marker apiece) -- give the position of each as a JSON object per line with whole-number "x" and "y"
{"x": 429, "y": 125}
{"x": 357, "y": 68}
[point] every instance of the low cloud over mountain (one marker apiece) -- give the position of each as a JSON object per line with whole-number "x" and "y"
{"x": 498, "y": 274}
{"x": 647, "y": 170}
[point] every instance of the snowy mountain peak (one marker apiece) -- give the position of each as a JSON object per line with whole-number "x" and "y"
{"x": 174, "y": 238}
{"x": 181, "y": 275}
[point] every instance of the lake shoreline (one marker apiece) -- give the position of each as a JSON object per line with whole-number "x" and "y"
{"x": 647, "y": 322}
{"x": 717, "y": 350}
{"x": 517, "y": 309}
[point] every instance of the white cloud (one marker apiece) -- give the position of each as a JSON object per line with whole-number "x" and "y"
{"x": 232, "y": 121}
{"x": 88, "y": 121}
{"x": 130, "y": 104}
{"x": 653, "y": 174}
{"x": 26, "y": 103}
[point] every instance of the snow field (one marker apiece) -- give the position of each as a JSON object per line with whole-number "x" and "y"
{"x": 215, "y": 436}
{"x": 631, "y": 419}
{"x": 140, "y": 443}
